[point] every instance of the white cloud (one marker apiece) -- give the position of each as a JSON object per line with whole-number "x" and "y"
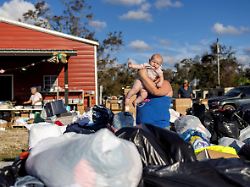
{"x": 15, "y": 9}
{"x": 169, "y": 60}
{"x": 139, "y": 45}
{"x": 126, "y": 2}
{"x": 219, "y": 28}
{"x": 243, "y": 59}
{"x": 247, "y": 51}
{"x": 97, "y": 24}
{"x": 167, "y": 4}
{"x": 139, "y": 14}
{"x": 164, "y": 42}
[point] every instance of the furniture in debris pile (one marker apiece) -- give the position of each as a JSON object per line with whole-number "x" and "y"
{"x": 16, "y": 113}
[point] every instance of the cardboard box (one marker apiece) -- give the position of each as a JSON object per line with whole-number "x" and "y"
{"x": 4, "y": 125}
{"x": 113, "y": 101}
{"x": 181, "y": 105}
{"x": 25, "y": 114}
{"x": 210, "y": 154}
{"x": 115, "y": 106}
{"x": 80, "y": 108}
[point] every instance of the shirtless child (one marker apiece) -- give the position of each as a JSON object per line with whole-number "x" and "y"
{"x": 154, "y": 72}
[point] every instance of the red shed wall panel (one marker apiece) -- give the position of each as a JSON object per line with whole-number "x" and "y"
{"x": 81, "y": 67}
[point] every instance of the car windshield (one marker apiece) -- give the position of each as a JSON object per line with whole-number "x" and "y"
{"x": 233, "y": 93}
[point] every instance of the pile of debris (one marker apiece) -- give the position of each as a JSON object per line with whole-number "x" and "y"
{"x": 102, "y": 149}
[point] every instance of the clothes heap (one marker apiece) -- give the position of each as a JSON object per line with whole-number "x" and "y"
{"x": 100, "y": 149}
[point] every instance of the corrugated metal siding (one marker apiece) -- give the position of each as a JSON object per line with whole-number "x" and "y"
{"x": 81, "y": 67}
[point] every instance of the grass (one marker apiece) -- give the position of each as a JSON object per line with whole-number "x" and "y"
{"x": 12, "y": 141}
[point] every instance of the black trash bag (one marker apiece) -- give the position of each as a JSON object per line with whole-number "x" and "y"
{"x": 209, "y": 124}
{"x": 245, "y": 151}
{"x": 9, "y": 174}
{"x": 243, "y": 115}
{"x": 158, "y": 146}
{"x": 225, "y": 125}
{"x": 209, "y": 173}
{"x": 102, "y": 117}
{"x": 199, "y": 110}
{"x": 79, "y": 129}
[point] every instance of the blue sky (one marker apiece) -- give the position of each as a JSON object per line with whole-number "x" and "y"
{"x": 175, "y": 28}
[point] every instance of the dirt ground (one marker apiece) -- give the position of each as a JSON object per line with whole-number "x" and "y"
{"x": 12, "y": 141}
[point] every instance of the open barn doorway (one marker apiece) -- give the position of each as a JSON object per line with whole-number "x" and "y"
{"x": 6, "y": 84}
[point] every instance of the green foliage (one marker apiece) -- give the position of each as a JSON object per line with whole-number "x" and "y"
{"x": 205, "y": 69}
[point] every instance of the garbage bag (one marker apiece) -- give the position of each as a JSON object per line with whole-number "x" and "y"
{"x": 199, "y": 110}
{"x": 28, "y": 181}
{"x": 158, "y": 146}
{"x": 245, "y": 151}
{"x": 228, "y": 129}
{"x": 102, "y": 116}
{"x": 244, "y": 134}
{"x": 189, "y": 122}
{"x": 9, "y": 174}
{"x": 209, "y": 173}
{"x": 79, "y": 129}
{"x": 244, "y": 113}
{"x": 123, "y": 119}
{"x": 231, "y": 142}
{"x": 210, "y": 126}
{"x": 226, "y": 125}
{"x": 174, "y": 115}
{"x": 42, "y": 131}
{"x": 99, "y": 159}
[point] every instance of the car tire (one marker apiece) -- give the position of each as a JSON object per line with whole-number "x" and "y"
{"x": 229, "y": 107}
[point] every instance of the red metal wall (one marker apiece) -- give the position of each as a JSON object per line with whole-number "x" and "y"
{"x": 81, "y": 67}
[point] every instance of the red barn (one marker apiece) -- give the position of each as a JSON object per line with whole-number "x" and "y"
{"x": 25, "y": 52}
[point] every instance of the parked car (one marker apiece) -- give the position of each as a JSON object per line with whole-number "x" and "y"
{"x": 232, "y": 100}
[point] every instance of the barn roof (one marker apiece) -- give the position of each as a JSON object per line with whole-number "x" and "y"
{"x": 48, "y": 31}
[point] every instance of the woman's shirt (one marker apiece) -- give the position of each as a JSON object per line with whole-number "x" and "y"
{"x": 154, "y": 111}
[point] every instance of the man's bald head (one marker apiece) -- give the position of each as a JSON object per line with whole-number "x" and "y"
{"x": 157, "y": 57}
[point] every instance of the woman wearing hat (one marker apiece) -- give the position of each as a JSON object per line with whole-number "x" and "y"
{"x": 185, "y": 90}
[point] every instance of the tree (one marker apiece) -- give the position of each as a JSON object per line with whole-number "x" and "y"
{"x": 74, "y": 20}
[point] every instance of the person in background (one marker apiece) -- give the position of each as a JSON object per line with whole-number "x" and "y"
{"x": 185, "y": 90}
{"x": 35, "y": 98}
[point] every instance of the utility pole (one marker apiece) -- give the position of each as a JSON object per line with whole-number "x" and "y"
{"x": 218, "y": 60}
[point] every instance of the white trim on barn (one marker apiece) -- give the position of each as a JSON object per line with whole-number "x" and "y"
{"x": 96, "y": 77}
{"x": 48, "y": 31}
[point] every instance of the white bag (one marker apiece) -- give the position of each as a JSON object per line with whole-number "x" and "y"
{"x": 174, "y": 115}
{"x": 96, "y": 160}
{"x": 41, "y": 131}
{"x": 187, "y": 122}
